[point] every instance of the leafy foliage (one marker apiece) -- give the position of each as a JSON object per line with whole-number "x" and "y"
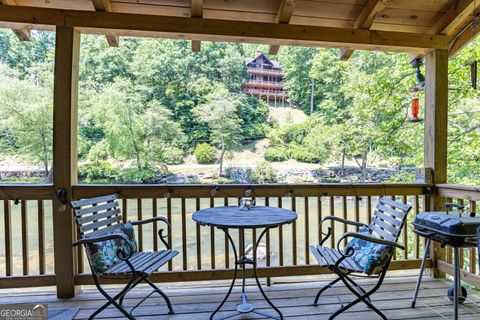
{"x": 151, "y": 102}
{"x": 219, "y": 113}
{"x": 264, "y": 173}
{"x": 205, "y": 153}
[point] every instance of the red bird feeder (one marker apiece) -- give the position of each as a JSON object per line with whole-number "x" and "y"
{"x": 415, "y": 106}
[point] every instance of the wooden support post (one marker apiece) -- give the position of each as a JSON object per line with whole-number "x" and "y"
{"x": 435, "y": 145}
{"x": 67, "y": 51}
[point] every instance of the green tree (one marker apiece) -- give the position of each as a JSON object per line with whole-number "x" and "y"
{"x": 297, "y": 64}
{"x": 219, "y": 113}
{"x": 329, "y": 76}
{"x": 132, "y": 129}
{"x": 27, "y": 118}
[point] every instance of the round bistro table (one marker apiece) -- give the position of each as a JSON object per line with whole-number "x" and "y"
{"x": 225, "y": 218}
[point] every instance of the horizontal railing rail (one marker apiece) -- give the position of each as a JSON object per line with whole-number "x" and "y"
{"x": 467, "y": 196}
{"x": 265, "y": 71}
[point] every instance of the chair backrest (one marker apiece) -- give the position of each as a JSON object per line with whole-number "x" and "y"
{"x": 388, "y": 219}
{"x": 97, "y": 216}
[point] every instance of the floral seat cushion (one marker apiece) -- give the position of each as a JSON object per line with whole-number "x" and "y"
{"x": 103, "y": 255}
{"x": 371, "y": 257}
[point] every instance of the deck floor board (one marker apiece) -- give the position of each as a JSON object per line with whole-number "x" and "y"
{"x": 293, "y": 297}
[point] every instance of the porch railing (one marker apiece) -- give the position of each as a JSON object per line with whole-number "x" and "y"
{"x": 26, "y": 250}
{"x": 27, "y": 256}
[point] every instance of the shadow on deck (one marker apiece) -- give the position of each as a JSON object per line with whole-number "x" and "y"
{"x": 294, "y": 297}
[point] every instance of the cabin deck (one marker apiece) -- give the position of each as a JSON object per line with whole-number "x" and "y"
{"x": 196, "y": 300}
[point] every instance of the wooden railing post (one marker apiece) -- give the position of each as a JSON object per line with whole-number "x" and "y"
{"x": 435, "y": 146}
{"x": 67, "y": 50}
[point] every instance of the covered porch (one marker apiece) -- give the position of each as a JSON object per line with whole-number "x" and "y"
{"x": 47, "y": 259}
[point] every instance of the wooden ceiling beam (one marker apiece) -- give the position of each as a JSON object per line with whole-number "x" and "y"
{"x": 284, "y": 15}
{"x": 196, "y": 12}
{"x": 371, "y": 9}
{"x": 461, "y": 40}
{"x": 345, "y": 54}
{"x": 225, "y": 30}
{"x": 457, "y": 16}
{"x": 22, "y": 34}
{"x": 106, "y": 6}
{"x": 365, "y": 21}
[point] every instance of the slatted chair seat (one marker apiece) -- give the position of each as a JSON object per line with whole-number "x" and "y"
{"x": 369, "y": 252}
{"x": 327, "y": 257}
{"x": 143, "y": 262}
{"x": 112, "y": 249}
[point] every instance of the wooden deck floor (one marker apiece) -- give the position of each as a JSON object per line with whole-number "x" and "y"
{"x": 197, "y": 300}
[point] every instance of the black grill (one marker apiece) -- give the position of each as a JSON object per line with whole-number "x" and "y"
{"x": 456, "y": 229}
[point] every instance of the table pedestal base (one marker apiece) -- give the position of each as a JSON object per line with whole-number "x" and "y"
{"x": 245, "y": 307}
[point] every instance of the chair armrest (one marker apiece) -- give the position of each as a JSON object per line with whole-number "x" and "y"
{"x": 162, "y": 237}
{"x": 368, "y": 238}
{"x": 344, "y": 221}
{"x": 154, "y": 219}
{"x": 106, "y": 237}
{"x": 330, "y": 231}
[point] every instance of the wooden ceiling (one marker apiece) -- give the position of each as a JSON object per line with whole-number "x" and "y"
{"x": 447, "y": 17}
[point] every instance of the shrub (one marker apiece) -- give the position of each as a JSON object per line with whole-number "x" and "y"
{"x": 264, "y": 173}
{"x": 276, "y": 154}
{"x": 135, "y": 175}
{"x": 98, "y": 170}
{"x": 172, "y": 156}
{"x": 304, "y": 154}
{"x": 205, "y": 153}
{"x": 98, "y": 151}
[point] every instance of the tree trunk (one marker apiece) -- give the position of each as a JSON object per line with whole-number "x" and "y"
{"x": 49, "y": 178}
{"x": 222, "y": 154}
{"x": 364, "y": 166}
{"x": 45, "y": 153}
{"x": 343, "y": 162}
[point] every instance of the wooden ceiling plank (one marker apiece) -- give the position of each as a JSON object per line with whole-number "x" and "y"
{"x": 196, "y": 12}
{"x": 457, "y": 15}
{"x": 106, "y": 6}
{"x": 22, "y": 34}
{"x": 365, "y": 21}
{"x": 284, "y": 15}
{"x": 282, "y": 34}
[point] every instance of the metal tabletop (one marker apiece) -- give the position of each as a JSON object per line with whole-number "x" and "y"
{"x": 233, "y": 217}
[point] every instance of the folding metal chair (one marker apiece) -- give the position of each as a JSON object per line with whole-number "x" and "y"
{"x": 368, "y": 254}
{"x": 112, "y": 251}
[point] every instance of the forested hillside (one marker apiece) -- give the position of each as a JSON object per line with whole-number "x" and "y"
{"x": 152, "y": 106}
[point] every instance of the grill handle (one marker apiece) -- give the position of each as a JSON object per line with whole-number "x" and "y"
{"x": 453, "y": 205}
{"x": 429, "y": 235}
{"x": 424, "y": 234}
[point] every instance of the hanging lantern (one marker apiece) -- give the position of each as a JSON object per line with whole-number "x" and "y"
{"x": 415, "y": 109}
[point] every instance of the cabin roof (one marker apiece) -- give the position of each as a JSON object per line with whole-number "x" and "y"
{"x": 261, "y": 54}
